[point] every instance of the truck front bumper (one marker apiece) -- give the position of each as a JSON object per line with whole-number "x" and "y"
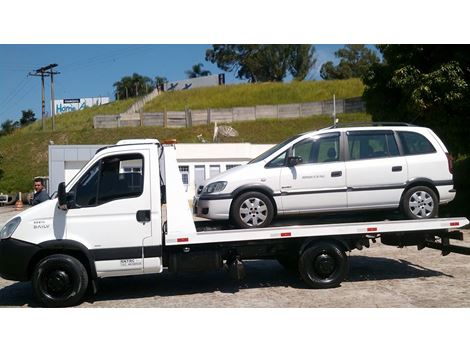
{"x": 15, "y": 257}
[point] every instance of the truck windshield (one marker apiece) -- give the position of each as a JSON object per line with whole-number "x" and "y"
{"x": 274, "y": 149}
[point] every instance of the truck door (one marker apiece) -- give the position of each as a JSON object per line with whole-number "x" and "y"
{"x": 109, "y": 212}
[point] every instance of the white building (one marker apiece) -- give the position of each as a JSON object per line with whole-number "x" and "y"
{"x": 197, "y": 162}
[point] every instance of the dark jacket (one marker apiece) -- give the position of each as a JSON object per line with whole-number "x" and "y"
{"x": 40, "y": 197}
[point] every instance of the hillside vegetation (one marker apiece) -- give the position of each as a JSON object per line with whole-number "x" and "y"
{"x": 25, "y": 151}
{"x": 241, "y": 95}
{"x": 26, "y": 154}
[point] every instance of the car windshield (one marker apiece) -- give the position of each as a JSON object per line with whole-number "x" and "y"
{"x": 274, "y": 149}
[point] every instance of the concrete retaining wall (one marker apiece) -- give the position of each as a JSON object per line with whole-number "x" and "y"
{"x": 201, "y": 117}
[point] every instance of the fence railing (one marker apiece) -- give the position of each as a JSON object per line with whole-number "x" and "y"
{"x": 190, "y": 117}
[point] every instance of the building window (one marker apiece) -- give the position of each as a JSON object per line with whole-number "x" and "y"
{"x": 184, "y": 170}
{"x": 231, "y": 166}
{"x": 214, "y": 170}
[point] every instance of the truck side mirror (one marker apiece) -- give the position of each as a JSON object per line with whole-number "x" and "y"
{"x": 62, "y": 196}
{"x": 294, "y": 160}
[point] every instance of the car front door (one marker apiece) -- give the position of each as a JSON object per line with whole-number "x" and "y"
{"x": 376, "y": 172}
{"x": 316, "y": 180}
{"x": 109, "y": 212}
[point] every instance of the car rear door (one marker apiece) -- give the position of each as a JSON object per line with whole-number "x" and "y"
{"x": 376, "y": 173}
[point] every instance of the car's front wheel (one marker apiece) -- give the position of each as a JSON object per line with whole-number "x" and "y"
{"x": 251, "y": 210}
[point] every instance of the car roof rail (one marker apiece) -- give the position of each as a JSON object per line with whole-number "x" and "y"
{"x": 365, "y": 124}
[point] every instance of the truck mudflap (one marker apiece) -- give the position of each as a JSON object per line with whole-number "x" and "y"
{"x": 439, "y": 240}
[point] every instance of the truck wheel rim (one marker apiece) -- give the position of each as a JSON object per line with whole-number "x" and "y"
{"x": 421, "y": 204}
{"x": 324, "y": 265}
{"x": 57, "y": 284}
{"x": 253, "y": 212}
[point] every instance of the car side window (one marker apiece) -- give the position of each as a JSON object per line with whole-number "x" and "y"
{"x": 111, "y": 178}
{"x": 369, "y": 145}
{"x": 322, "y": 149}
{"x": 414, "y": 143}
{"x": 278, "y": 161}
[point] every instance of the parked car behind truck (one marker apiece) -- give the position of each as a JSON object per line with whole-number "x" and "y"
{"x": 383, "y": 166}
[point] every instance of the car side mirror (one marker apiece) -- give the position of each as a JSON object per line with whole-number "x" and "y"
{"x": 62, "y": 196}
{"x": 294, "y": 160}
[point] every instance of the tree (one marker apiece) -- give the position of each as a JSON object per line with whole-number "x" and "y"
{"x": 132, "y": 86}
{"x": 427, "y": 85}
{"x": 302, "y": 60}
{"x": 27, "y": 117}
{"x": 263, "y": 62}
{"x": 1, "y": 170}
{"x": 356, "y": 59}
{"x": 197, "y": 71}
{"x": 160, "y": 82}
{"x": 8, "y": 126}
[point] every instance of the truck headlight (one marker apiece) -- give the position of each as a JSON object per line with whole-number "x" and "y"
{"x": 215, "y": 187}
{"x": 9, "y": 228}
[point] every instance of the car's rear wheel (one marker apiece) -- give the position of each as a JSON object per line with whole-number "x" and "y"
{"x": 252, "y": 210}
{"x": 420, "y": 202}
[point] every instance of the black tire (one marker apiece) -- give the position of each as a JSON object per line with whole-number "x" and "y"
{"x": 252, "y": 210}
{"x": 60, "y": 281}
{"x": 323, "y": 265}
{"x": 419, "y": 202}
{"x": 290, "y": 263}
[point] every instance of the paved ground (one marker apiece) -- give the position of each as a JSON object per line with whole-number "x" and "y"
{"x": 380, "y": 276}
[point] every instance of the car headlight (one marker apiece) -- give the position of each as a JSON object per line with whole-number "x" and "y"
{"x": 9, "y": 228}
{"x": 215, "y": 187}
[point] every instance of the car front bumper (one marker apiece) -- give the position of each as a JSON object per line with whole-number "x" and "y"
{"x": 215, "y": 209}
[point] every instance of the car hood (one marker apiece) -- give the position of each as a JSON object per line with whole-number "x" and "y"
{"x": 237, "y": 173}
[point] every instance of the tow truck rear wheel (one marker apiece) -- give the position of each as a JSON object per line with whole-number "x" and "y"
{"x": 323, "y": 265}
{"x": 60, "y": 281}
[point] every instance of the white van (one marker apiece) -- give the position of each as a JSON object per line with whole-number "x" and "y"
{"x": 335, "y": 169}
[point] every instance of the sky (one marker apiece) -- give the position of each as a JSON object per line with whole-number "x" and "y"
{"x": 90, "y": 70}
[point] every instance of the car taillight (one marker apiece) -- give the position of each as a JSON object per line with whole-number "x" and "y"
{"x": 450, "y": 161}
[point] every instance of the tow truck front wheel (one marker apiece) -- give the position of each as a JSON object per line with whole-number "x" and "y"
{"x": 323, "y": 265}
{"x": 60, "y": 281}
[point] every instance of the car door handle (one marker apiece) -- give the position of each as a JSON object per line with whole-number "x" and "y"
{"x": 143, "y": 215}
{"x": 336, "y": 173}
{"x": 397, "y": 169}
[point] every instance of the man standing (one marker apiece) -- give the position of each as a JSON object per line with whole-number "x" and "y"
{"x": 41, "y": 194}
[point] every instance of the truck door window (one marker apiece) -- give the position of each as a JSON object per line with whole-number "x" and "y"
{"x": 120, "y": 177}
{"x": 86, "y": 189}
{"x": 111, "y": 178}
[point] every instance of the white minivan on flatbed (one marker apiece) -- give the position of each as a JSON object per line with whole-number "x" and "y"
{"x": 343, "y": 168}
{"x": 125, "y": 213}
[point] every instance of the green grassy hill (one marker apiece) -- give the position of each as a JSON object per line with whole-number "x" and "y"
{"x": 241, "y": 95}
{"x": 25, "y": 152}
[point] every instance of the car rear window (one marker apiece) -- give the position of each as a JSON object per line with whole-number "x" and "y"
{"x": 414, "y": 143}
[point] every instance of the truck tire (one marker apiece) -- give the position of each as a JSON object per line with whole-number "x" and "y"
{"x": 420, "y": 202}
{"x": 323, "y": 265}
{"x": 60, "y": 281}
{"x": 252, "y": 210}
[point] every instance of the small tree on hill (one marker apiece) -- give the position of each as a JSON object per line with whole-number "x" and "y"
{"x": 27, "y": 117}
{"x": 9, "y": 126}
{"x": 197, "y": 71}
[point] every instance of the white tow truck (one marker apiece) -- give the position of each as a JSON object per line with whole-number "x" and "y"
{"x": 126, "y": 213}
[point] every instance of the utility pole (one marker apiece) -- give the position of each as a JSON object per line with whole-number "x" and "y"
{"x": 52, "y": 93}
{"x": 43, "y": 72}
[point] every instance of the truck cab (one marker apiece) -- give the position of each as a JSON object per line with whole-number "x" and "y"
{"x": 110, "y": 219}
